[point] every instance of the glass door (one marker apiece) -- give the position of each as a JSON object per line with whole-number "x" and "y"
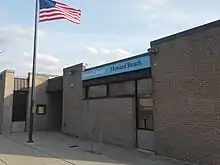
{"x": 145, "y": 115}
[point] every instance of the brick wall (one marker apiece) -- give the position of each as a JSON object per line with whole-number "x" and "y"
{"x": 186, "y": 84}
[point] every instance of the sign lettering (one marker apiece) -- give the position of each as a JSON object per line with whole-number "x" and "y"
{"x": 136, "y": 63}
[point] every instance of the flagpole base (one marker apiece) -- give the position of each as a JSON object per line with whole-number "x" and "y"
{"x": 30, "y": 141}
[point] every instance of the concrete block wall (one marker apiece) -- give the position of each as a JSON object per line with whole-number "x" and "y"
{"x": 2, "y": 92}
{"x": 55, "y": 110}
{"x": 6, "y": 100}
{"x": 109, "y": 120}
{"x": 48, "y": 121}
{"x": 186, "y": 84}
{"x": 72, "y": 122}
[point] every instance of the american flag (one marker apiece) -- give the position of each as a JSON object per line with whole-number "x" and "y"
{"x": 52, "y": 10}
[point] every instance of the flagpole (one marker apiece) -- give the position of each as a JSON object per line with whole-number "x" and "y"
{"x": 32, "y": 98}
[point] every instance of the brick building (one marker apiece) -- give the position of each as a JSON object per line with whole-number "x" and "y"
{"x": 186, "y": 81}
{"x": 166, "y": 100}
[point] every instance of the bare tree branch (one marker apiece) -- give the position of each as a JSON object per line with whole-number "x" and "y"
{"x": 3, "y": 50}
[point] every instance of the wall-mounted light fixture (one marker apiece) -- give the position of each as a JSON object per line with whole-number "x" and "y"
{"x": 71, "y": 72}
{"x": 152, "y": 51}
{"x": 84, "y": 67}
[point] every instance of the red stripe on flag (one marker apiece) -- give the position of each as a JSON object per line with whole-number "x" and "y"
{"x": 57, "y": 18}
{"x": 58, "y": 11}
{"x": 49, "y": 14}
{"x": 51, "y": 19}
{"x": 68, "y": 8}
{"x": 55, "y": 9}
{"x": 58, "y": 14}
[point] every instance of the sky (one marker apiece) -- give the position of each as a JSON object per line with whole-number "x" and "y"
{"x": 109, "y": 30}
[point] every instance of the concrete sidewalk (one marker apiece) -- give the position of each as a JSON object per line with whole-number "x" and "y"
{"x": 13, "y": 153}
{"x": 55, "y": 148}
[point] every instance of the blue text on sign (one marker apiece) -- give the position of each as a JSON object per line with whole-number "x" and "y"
{"x": 131, "y": 64}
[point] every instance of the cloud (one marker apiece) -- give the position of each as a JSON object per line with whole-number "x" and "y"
{"x": 122, "y": 52}
{"x": 149, "y": 13}
{"x": 5, "y": 63}
{"x": 165, "y": 16}
{"x": 104, "y": 55}
{"x": 46, "y": 63}
{"x": 92, "y": 50}
{"x": 152, "y": 4}
{"x": 18, "y": 39}
{"x": 17, "y": 34}
{"x": 105, "y": 51}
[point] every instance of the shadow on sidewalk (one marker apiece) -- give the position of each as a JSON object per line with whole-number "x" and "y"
{"x": 74, "y": 151}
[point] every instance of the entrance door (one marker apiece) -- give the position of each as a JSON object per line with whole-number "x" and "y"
{"x": 145, "y": 124}
{"x": 19, "y": 111}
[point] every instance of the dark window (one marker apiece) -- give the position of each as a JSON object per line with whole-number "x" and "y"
{"x": 97, "y": 91}
{"x": 120, "y": 89}
{"x": 144, "y": 86}
{"x": 19, "y": 106}
{"x": 145, "y": 114}
{"x": 41, "y": 110}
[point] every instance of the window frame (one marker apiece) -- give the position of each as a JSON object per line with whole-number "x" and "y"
{"x": 139, "y": 92}
{"x": 45, "y": 109}
{"x": 94, "y": 97}
{"x": 147, "y": 96}
{"x": 110, "y": 93}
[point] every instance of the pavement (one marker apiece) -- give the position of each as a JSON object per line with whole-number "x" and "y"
{"x": 58, "y": 149}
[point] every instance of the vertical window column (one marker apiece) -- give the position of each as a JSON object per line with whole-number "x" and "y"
{"x": 145, "y": 115}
